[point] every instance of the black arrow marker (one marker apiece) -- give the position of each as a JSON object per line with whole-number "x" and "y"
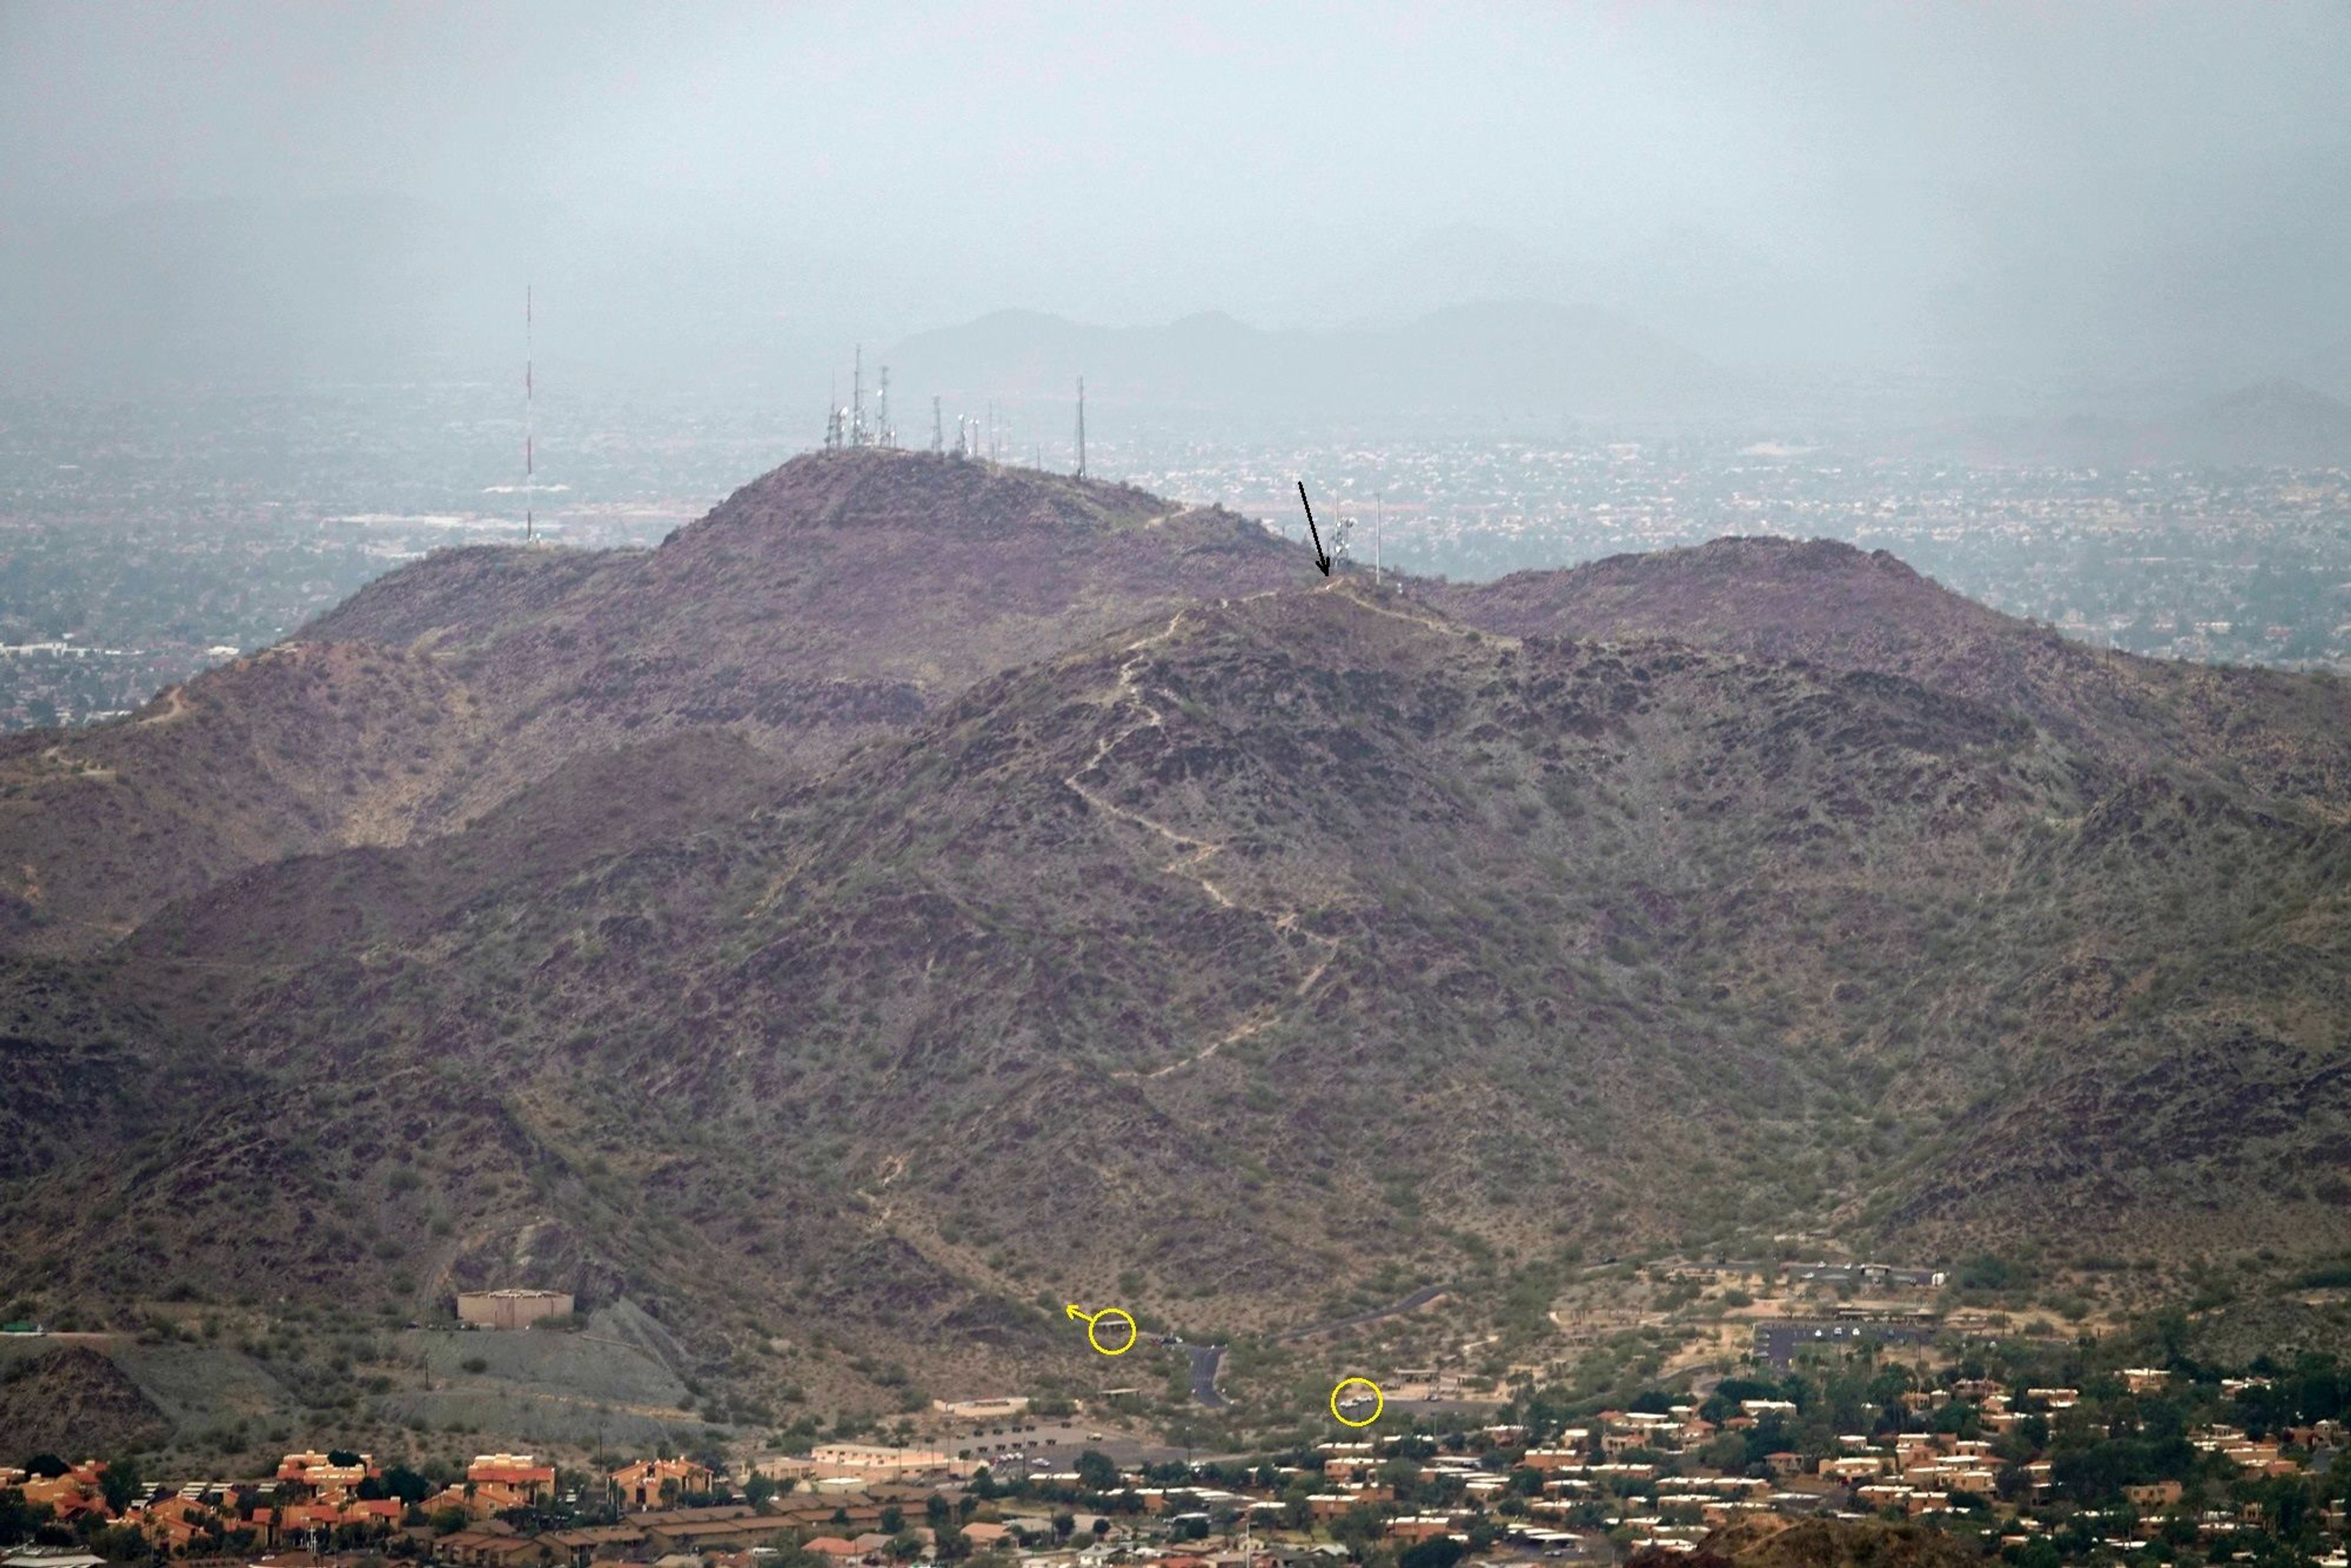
{"x": 1320, "y": 559}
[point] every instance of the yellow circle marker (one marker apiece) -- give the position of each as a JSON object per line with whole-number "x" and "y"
{"x": 1379, "y": 1402}
{"x": 1094, "y": 1322}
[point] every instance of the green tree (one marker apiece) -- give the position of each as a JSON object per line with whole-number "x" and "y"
{"x": 15, "y": 1517}
{"x": 1357, "y": 1528}
{"x": 121, "y": 1543}
{"x": 1726, "y": 1453}
{"x": 120, "y": 1483}
{"x": 399, "y": 1481}
{"x": 1096, "y": 1472}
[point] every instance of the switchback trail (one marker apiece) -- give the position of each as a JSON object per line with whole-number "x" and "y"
{"x": 1192, "y": 860}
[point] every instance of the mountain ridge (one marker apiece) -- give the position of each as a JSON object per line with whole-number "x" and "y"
{"x": 1828, "y": 601}
{"x": 2277, "y": 423}
{"x": 1247, "y": 932}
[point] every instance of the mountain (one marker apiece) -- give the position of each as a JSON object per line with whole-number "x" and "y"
{"x": 296, "y": 749}
{"x": 1467, "y": 364}
{"x": 76, "y": 1400}
{"x": 1688, "y": 283}
{"x": 835, "y": 599}
{"x": 1826, "y": 602}
{"x": 1071, "y": 896}
{"x": 2276, "y": 423}
{"x": 2272, "y": 425}
{"x": 831, "y": 601}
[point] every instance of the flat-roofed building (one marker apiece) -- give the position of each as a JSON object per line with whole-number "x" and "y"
{"x": 511, "y": 1309}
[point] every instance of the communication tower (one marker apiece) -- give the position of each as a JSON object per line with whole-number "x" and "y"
{"x": 857, "y": 400}
{"x": 885, "y": 435}
{"x": 1081, "y": 427}
{"x": 939, "y": 432}
{"x": 529, "y": 429}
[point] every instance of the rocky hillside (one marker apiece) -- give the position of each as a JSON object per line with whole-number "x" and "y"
{"x": 298, "y": 750}
{"x": 841, "y": 597}
{"x": 1256, "y": 947}
{"x": 1192, "y": 929}
{"x": 2286, "y": 736}
{"x": 1843, "y": 1542}
{"x": 75, "y": 1401}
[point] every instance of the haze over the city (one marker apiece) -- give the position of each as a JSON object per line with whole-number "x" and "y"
{"x": 2019, "y": 208}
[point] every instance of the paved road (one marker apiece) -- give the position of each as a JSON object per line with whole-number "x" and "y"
{"x": 1413, "y": 1302}
{"x": 1208, "y": 1358}
{"x": 1205, "y": 1359}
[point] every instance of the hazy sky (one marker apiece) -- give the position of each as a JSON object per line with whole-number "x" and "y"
{"x": 2083, "y": 188}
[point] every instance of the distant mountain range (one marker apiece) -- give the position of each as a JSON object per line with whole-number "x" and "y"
{"x": 921, "y": 892}
{"x": 1483, "y": 366}
{"x": 2275, "y": 424}
{"x": 1463, "y": 327}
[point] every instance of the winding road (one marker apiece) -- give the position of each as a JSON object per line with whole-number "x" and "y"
{"x": 1411, "y": 1304}
{"x": 1208, "y": 1359}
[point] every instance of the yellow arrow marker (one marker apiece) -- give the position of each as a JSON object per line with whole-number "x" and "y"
{"x": 1094, "y": 1322}
{"x": 1379, "y": 1402}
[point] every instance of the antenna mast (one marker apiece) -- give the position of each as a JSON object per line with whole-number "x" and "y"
{"x": 857, "y": 400}
{"x": 1081, "y": 427}
{"x": 938, "y": 431}
{"x": 885, "y": 436}
{"x": 529, "y": 428}
{"x": 1379, "y": 525}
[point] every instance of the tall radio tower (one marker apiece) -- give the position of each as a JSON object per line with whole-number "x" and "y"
{"x": 529, "y": 429}
{"x": 1081, "y": 427}
{"x": 857, "y": 400}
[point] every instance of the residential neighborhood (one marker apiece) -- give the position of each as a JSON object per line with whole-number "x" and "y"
{"x": 2166, "y": 1462}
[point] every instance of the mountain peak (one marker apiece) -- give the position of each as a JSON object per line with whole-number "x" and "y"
{"x": 2279, "y": 392}
{"x": 2272, "y": 424}
{"x": 872, "y": 487}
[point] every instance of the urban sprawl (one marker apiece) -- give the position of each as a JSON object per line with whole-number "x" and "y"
{"x": 2172, "y": 1463}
